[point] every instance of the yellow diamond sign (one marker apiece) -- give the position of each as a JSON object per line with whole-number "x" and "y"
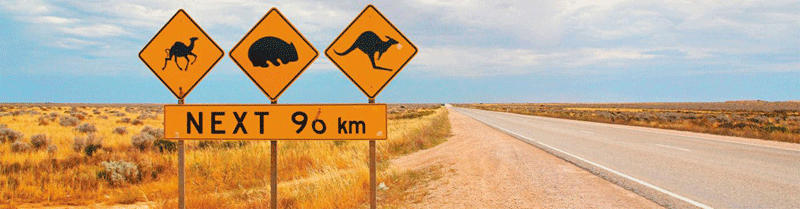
{"x": 273, "y": 54}
{"x": 181, "y": 54}
{"x": 371, "y": 51}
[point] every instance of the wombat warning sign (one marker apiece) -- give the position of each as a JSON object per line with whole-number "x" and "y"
{"x": 273, "y": 54}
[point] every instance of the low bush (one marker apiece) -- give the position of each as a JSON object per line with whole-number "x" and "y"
{"x": 165, "y": 145}
{"x": 8, "y": 135}
{"x": 152, "y": 137}
{"x": 89, "y": 144}
{"x": 137, "y": 122}
{"x": 146, "y": 116}
{"x": 119, "y": 172}
{"x": 78, "y": 143}
{"x": 40, "y": 141}
{"x": 121, "y": 130}
{"x": 44, "y": 120}
{"x": 20, "y": 146}
{"x": 79, "y": 116}
{"x": 124, "y": 120}
{"x": 221, "y": 144}
{"x": 52, "y": 150}
{"x": 68, "y": 121}
{"x": 86, "y": 128}
{"x": 155, "y": 132}
{"x": 142, "y": 141}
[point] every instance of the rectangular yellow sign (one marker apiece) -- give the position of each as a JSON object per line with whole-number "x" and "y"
{"x": 276, "y": 122}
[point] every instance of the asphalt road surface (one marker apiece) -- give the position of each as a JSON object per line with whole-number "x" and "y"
{"x": 673, "y": 168}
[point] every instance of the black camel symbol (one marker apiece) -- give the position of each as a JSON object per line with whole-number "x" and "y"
{"x": 179, "y": 49}
{"x": 369, "y": 43}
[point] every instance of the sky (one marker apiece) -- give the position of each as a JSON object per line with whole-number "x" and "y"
{"x": 469, "y": 51}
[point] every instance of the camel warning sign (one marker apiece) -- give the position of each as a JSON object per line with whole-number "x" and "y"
{"x": 273, "y": 54}
{"x": 181, "y": 54}
{"x": 371, "y": 51}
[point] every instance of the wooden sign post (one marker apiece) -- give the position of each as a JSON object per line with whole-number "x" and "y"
{"x": 273, "y": 54}
{"x": 180, "y": 55}
{"x": 369, "y": 34}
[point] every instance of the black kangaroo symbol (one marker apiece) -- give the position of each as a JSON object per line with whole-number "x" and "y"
{"x": 179, "y": 49}
{"x": 369, "y": 43}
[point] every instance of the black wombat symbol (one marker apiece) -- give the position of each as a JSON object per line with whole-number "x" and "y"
{"x": 369, "y": 43}
{"x": 179, "y": 49}
{"x": 271, "y": 49}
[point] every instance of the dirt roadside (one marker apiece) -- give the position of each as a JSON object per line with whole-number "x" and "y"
{"x": 484, "y": 168}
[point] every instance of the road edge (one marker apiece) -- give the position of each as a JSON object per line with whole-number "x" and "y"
{"x": 646, "y": 190}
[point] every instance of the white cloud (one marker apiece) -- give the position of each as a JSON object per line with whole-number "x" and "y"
{"x": 53, "y": 20}
{"x": 26, "y": 7}
{"x": 98, "y": 30}
{"x": 472, "y": 61}
{"x": 456, "y": 38}
{"x": 73, "y": 43}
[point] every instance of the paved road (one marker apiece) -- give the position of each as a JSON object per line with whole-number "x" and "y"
{"x": 675, "y": 169}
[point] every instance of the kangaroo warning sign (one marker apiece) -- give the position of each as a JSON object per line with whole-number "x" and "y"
{"x": 276, "y": 122}
{"x": 273, "y": 54}
{"x": 181, "y": 54}
{"x": 371, "y": 51}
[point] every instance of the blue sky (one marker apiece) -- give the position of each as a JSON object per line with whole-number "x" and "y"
{"x": 469, "y": 51}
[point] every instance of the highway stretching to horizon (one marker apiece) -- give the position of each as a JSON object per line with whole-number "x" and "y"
{"x": 673, "y": 168}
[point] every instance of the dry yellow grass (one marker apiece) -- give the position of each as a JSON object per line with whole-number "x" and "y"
{"x": 312, "y": 174}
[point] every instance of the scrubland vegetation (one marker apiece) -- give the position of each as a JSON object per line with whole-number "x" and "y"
{"x": 778, "y": 121}
{"x": 106, "y": 155}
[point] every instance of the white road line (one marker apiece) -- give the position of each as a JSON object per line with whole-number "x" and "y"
{"x": 659, "y": 131}
{"x": 690, "y": 201}
{"x": 719, "y": 140}
{"x": 678, "y": 148}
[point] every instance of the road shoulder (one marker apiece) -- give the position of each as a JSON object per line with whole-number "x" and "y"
{"x": 485, "y": 168}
